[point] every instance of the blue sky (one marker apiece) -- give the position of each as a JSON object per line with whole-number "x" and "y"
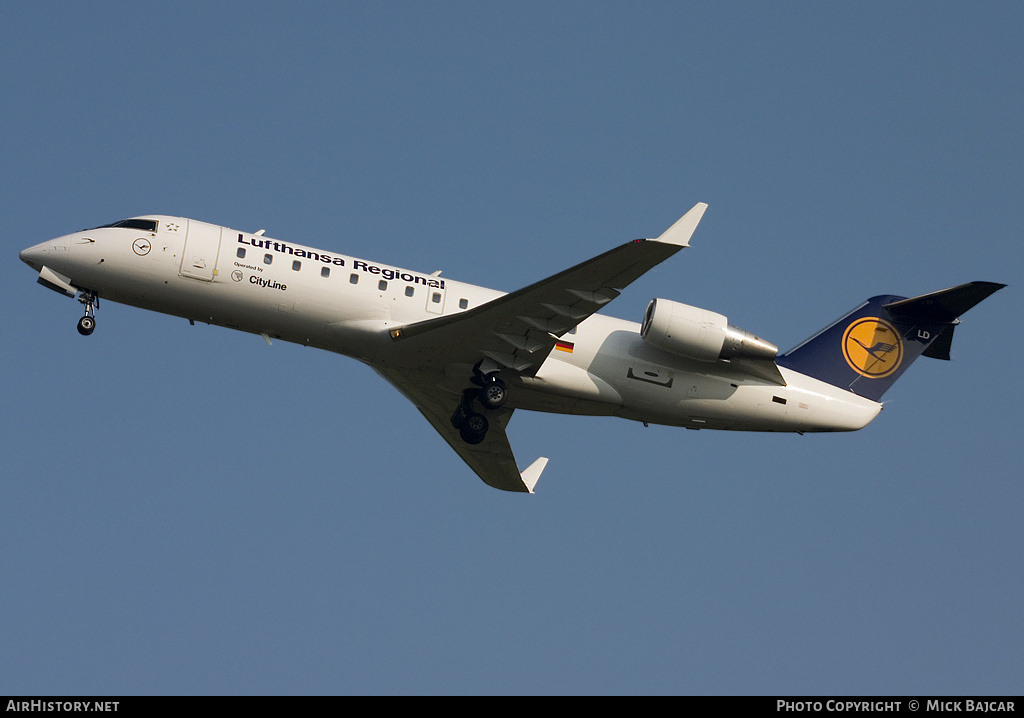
{"x": 186, "y": 510}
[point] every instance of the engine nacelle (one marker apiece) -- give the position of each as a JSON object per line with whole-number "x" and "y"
{"x": 699, "y": 334}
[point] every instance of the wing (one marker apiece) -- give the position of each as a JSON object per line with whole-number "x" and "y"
{"x": 491, "y": 459}
{"x": 518, "y": 330}
{"x": 515, "y": 332}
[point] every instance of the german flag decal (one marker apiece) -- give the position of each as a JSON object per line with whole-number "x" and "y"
{"x": 564, "y": 346}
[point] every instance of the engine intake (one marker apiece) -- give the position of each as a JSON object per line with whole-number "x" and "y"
{"x": 700, "y": 334}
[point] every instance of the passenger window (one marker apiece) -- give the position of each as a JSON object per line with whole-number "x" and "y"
{"x": 296, "y": 265}
{"x": 382, "y": 285}
{"x": 240, "y": 253}
{"x": 436, "y": 298}
{"x": 325, "y": 271}
{"x": 353, "y": 279}
{"x": 409, "y": 291}
{"x": 268, "y": 258}
{"x": 463, "y": 303}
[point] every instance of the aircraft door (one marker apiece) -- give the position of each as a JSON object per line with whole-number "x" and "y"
{"x": 435, "y": 300}
{"x": 202, "y": 244}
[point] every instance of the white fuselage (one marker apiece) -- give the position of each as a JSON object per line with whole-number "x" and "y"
{"x": 324, "y": 299}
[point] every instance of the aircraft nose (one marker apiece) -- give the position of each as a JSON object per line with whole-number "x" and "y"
{"x": 33, "y": 256}
{"x": 52, "y": 252}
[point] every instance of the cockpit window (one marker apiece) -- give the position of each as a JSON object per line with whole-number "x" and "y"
{"x": 146, "y": 225}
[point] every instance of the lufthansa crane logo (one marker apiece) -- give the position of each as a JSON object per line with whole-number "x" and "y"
{"x": 872, "y": 347}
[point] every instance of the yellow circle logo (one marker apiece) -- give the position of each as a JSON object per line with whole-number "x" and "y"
{"x": 872, "y": 347}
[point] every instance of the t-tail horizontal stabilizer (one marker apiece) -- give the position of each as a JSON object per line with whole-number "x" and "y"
{"x": 867, "y": 350}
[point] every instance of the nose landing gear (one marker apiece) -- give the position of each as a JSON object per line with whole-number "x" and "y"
{"x": 87, "y": 324}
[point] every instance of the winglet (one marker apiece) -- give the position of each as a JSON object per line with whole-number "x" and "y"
{"x": 680, "y": 232}
{"x": 533, "y": 472}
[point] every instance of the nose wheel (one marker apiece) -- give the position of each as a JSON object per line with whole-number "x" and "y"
{"x": 87, "y": 324}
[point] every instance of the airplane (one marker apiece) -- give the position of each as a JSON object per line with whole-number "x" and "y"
{"x": 468, "y": 357}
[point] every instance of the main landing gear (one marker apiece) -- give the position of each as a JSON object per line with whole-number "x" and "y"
{"x": 491, "y": 392}
{"x": 472, "y": 426}
{"x": 87, "y": 324}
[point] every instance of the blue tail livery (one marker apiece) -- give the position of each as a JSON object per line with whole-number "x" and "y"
{"x": 868, "y": 349}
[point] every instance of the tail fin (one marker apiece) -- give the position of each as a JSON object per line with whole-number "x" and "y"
{"x": 869, "y": 348}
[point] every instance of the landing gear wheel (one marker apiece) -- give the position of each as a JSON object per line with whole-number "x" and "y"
{"x": 91, "y": 300}
{"x": 475, "y": 423}
{"x": 493, "y": 394}
{"x": 474, "y": 428}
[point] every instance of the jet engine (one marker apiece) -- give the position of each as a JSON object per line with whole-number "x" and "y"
{"x": 699, "y": 334}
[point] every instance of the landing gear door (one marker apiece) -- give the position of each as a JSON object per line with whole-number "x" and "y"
{"x": 202, "y": 244}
